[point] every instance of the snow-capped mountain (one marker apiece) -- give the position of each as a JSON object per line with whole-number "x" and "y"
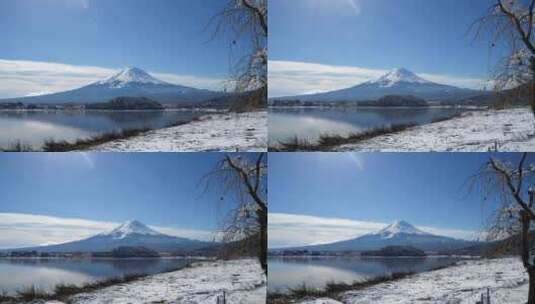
{"x": 129, "y": 82}
{"x": 399, "y": 233}
{"x": 397, "y": 228}
{"x": 396, "y": 82}
{"x": 131, "y": 227}
{"x": 397, "y": 76}
{"x": 130, "y": 77}
{"x": 132, "y": 234}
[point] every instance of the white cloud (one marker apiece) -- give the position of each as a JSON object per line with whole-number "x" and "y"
{"x": 22, "y": 230}
{"x": 28, "y": 78}
{"x": 286, "y": 230}
{"x": 288, "y": 78}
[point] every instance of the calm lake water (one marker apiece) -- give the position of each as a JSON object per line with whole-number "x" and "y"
{"x": 286, "y": 123}
{"x": 286, "y": 272}
{"x": 33, "y": 128}
{"x": 16, "y": 274}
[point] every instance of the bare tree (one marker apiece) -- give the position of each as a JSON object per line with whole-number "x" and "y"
{"x": 511, "y": 22}
{"x": 243, "y": 179}
{"x": 246, "y": 21}
{"x": 512, "y": 188}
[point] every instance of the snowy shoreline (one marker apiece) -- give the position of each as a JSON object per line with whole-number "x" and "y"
{"x": 475, "y": 131}
{"x": 243, "y": 281}
{"x": 462, "y": 283}
{"x": 229, "y": 132}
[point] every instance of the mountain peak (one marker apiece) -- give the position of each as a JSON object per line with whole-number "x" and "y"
{"x": 399, "y": 75}
{"x": 399, "y": 227}
{"x": 128, "y": 76}
{"x": 132, "y": 227}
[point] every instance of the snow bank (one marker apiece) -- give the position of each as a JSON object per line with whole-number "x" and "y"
{"x": 243, "y": 281}
{"x": 478, "y": 131}
{"x": 218, "y": 132}
{"x": 460, "y": 284}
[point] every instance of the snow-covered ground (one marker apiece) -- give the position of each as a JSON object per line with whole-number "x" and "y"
{"x": 511, "y": 130}
{"x": 243, "y": 282}
{"x": 460, "y": 284}
{"x": 217, "y": 132}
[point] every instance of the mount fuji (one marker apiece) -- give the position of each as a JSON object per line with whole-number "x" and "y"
{"x": 396, "y": 82}
{"x": 129, "y": 82}
{"x": 131, "y": 234}
{"x": 399, "y": 233}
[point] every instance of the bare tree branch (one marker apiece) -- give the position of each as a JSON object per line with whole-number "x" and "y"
{"x": 514, "y": 214}
{"x": 246, "y": 222}
{"x": 512, "y": 22}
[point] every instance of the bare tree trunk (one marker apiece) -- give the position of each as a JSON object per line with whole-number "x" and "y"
{"x": 262, "y": 256}
{"x": 531, "y": 294}
{"x": 532, "y": 67}
{"x": 525, "y": 248}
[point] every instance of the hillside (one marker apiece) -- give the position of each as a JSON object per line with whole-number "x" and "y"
{"x": 396, "y": 82}
{"x": 128, "y": 234}
{"x": 395, "y": 251}
{"x": 396, "y": 101}
{"x": 129, "y": 82}
{"x": 399, "y": 233}
{"x": 127, "y": 103}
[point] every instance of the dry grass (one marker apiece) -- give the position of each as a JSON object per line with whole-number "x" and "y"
{"x": 331, "y": 290}
{"x": 326, "y": 141}
{"x": 82, "y": 144}
{"x": 63, "y": 291}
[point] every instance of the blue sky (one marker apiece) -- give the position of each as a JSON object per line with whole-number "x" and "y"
{"x": 158, "y": 189}
{"x": 169, "y": 37}
{"x": 350, "y": 194}
{"x": 428, "y": 37}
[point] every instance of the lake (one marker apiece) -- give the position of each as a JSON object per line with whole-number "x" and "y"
{"x": 316, "y": 272}
{"x": 16, "y": 274}
{"x": 33, "y": 128}
{"x": 286, "y": 123}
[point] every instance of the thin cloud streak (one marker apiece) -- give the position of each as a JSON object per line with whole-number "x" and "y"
{"x": 355, "y": 5}
{"x": 287, "y": 78}
{"x": 289, "y": 230}
{"x": 23, "y": 230}
{"x": 352, "y": 7}
{"x": 20, "y": 78}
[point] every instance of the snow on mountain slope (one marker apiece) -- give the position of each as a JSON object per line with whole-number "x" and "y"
{"x": 130, "y": 82}
{"x": 132, "y": 234}
{"x": 398, "y": 75}
{"x": 131, "y": 227}
{"x": 396, "y": 82}
{"x": 397, "y": 228}
{"x": 129, "y": 76}
{"x": 399, "y": 233}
